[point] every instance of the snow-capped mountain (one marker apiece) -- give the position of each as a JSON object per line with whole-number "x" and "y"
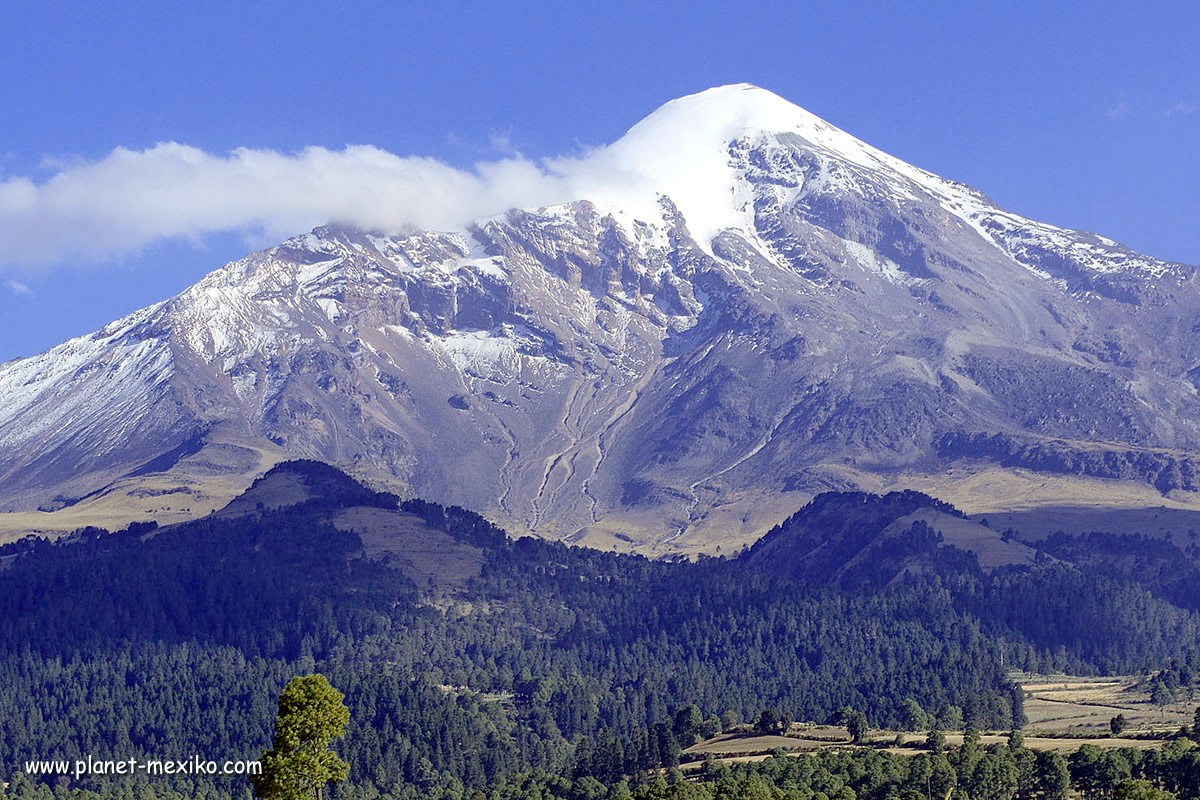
{"x": 749, "y": 306}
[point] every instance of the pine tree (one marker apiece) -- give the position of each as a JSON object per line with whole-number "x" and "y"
{"x": 311, "y": 715}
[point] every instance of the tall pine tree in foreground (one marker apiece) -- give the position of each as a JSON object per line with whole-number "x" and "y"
{"x": 311, "y": 715}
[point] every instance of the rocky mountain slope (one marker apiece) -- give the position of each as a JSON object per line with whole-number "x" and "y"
{"x": 753, "y": 306}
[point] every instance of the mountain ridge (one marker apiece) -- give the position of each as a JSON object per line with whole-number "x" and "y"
{"x": 804, "y": 313}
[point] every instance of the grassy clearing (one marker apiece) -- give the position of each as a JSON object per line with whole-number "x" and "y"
{"x": 749, "y": 744}
{"x": 429, "y": 557}
{"x": 195, "y": 487}
{"x": 993, "y": 491}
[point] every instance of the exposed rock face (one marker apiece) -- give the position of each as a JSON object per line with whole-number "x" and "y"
{"x": 819, "y": 314}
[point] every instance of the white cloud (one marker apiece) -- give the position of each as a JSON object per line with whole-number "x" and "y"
{"x": 1123, "y": 108}
{"x": 1182, "y": 108}
{"x": 16, "y": 287}
{"x": 100, "y": 210}
{"x": 115, "y": 206}
{"x": 97, "y": 210}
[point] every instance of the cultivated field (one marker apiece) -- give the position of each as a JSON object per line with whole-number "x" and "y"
{"x": 1083, "y": 706}
{"x": 1063, "y": 713}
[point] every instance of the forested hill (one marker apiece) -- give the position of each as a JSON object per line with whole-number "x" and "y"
{"x": 1116, "y": 598}
{"x": 469, "y": 658}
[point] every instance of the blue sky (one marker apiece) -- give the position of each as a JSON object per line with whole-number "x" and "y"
{"x": 1084, "y": 115}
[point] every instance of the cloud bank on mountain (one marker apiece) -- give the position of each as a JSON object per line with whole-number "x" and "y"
{"x": 91, "y": 211}
{"x": 104, "y": 209}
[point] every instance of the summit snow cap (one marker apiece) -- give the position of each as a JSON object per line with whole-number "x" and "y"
{"x": 682, "y": 151}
